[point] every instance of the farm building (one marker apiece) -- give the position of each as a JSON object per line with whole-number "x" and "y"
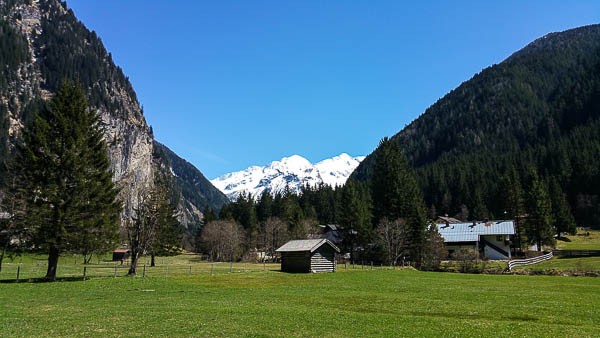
{"x": 308, "y": 255}
{"x": 490, "y": 238}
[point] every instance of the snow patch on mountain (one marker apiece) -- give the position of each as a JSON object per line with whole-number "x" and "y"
{"x": 292, "y": 172}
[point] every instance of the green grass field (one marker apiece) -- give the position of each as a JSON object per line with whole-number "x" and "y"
{"x": 581, "y": 241}
{"x": 579, "y": 264}
{"x": 258, "y": 301}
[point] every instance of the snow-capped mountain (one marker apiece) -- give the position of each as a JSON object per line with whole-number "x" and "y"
{"x": 294, "y": 172}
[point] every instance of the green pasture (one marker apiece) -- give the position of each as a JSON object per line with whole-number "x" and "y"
{"x": 583, "y": 240}
{"x": 256, "y": 300}
{"x": 559, "y": 264}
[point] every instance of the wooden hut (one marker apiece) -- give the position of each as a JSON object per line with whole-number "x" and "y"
{"x": 308, "y": 255}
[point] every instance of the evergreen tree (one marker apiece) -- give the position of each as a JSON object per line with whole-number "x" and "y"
{"x": 245, "y": 215}
{"x": 167, "y": 241}
{"x": 264, "y": 208}
{"x": 539, "y": 221}
{"x": 435, "y": 250}
{"x": 63, "y": 168}
{"x": 355, "y": 214}
{"x": 396, "y": 196}
{"x": 208, "y": 215}
{"x": 513, "y": 204}
{"x": 561, "y": 211}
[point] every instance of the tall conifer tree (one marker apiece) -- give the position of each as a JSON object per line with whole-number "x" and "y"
{"x": 561, "y": 211}
{"x": 396, "y": 195}
{"x": 539, "y": 222}
{"x": 63, "y": 163}
{"x": 513, "y": 203}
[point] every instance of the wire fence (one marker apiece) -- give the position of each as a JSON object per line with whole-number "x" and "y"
{"x": 35, "y": 270}
{"x": 32, "y": 271}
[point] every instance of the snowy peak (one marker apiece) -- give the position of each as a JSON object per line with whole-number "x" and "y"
{"x": 292, "y": 172}
{"x": 335, "y": 171}
{"x": 294, "y": 163}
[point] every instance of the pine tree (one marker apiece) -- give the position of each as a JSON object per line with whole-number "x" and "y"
{"x": 513, "y": 203}
{"x": 396, "y": 196}
{"x": 264, "y": 206}
{"x": 355, "y": 214}
{"x": 62, "y": 164}
{"x": 208, "y": 215}
{"x": 435, "y": 250}
{"x": 539, "y": 221}
{"x": 561, "y": 211}
{"x": 167, "y": 241}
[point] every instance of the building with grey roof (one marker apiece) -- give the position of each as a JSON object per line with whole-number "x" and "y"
{"x": 491, "y": 239}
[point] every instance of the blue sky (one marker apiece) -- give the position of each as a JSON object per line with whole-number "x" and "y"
{"x": 229, "y": 84}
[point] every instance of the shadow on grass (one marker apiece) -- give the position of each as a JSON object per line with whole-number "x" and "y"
{"x": 42, "y": 280}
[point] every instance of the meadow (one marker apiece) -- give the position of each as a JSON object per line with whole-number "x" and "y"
{"x": 192, "y": 298}
{"x": 583, "y": 240}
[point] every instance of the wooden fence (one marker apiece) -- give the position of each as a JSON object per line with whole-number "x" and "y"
{"x": 529, "y": 261}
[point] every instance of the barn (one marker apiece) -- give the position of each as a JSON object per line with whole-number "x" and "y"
{"x": 308, "y": 255}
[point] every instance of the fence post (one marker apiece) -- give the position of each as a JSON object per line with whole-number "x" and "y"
{"x": 190, "y": 273}
{"x": 84, "y": 272}
{"x": 371, "y": 265}
{"x": 18, "y": 271}
{"x": 115, "y": 270}
{"x": 264, "y": 265}
{"x": 212, "y": 268}
{"x": 144, "y": 272}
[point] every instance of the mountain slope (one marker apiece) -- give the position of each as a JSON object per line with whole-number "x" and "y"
{"x": 41, "y": 44}
{"x": 196, "y": 191}
{"x": 539, "y": 108}
{"x": 292, "y": 172}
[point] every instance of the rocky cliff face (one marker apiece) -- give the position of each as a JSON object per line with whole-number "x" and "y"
{"x": 43, "y": 24}
{"x": 41, "y": 44}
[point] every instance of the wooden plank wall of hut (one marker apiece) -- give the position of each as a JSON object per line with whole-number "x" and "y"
{"x": 323, "y": 259}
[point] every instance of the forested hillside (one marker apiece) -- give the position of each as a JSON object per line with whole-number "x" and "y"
{"x": 539, "y": 110}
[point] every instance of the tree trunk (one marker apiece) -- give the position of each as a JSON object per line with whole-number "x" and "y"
{"x": 152, "y": 263}
{"x": 4, "y": 252}
{"x": 87, "y": 258}
{"x": 53, "y": 255}
{"x": 134, "y": 260}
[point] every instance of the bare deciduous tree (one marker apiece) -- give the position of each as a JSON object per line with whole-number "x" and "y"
{"x": 222, "y": 240}
{"x": 392, "y": 235}
{"x": 306, "y": 228}
{"x": 273, "y": 234}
